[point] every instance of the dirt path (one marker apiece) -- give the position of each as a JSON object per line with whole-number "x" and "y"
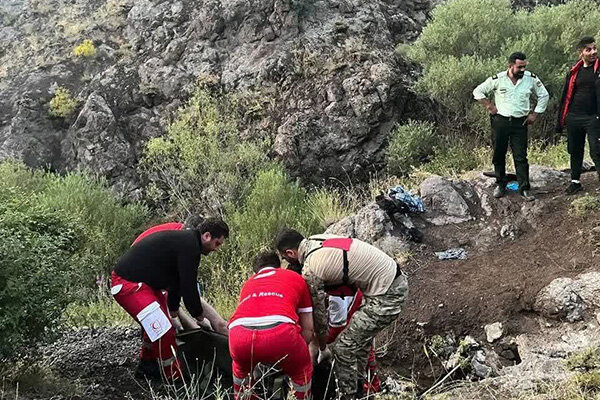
{"x": 496, "y": 284}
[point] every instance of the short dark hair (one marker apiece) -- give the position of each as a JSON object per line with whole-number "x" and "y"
{"x": 517, "y": 55}
{"x": 215, "y": 226}
{"x": 265, "y": 259}
{"x": 193, "y": 221}
{"x": 288, "y": 239}
{"x": 584, "y": 41}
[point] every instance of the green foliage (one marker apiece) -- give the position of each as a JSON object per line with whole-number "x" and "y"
{"x": 62, "y": 104}
{"x": 85, "y": 49}
{"x": 273, "y": 201}
{"x": 470, "y": 40}
{"x": 36, "y": 247}
{"x": 410, "y": 145}
{"x": 585, "y": 360}
{"x": 202, "y": 162}
{"x": 56, "y": 235}
{"x": 585, "y": 205}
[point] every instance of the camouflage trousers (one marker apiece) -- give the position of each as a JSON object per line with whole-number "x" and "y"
{"x": 351, "y": 348}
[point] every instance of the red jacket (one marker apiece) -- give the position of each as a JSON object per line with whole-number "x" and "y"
{"x": 568, "y": 90}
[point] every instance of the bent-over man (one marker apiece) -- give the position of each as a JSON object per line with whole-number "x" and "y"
{"x": 328, "y": 260}
{"x": 272, "y": 324}
{"x": 164, "y": 263}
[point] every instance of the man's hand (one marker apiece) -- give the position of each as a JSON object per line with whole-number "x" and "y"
{"x": 531, "y": 118}
{"x": 324, "y": 355}
{"x": 492, "y": 109}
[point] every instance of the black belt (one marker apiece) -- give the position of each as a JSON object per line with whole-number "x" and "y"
{"x": 519, "y": 119}
{"x": 263, "y": 327}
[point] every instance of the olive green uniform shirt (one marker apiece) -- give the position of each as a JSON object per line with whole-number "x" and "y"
{"x": 514, "y": 100}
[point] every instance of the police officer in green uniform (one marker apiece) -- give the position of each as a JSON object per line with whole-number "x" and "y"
{"x": 511, "y": 114}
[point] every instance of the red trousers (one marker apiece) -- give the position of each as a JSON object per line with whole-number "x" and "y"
{"x": 282, "y": 346}
{"x": 135, "y": 297}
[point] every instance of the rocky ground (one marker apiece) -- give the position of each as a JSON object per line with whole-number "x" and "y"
{"x": 525, "y": 298}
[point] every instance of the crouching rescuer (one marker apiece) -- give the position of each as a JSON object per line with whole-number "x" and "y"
{"x": 149, "y": 281}
{"x": 272, "y": 324}
{"x": 328, "y": 260}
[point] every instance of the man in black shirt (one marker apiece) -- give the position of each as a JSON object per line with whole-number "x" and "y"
{"x": 161, "y": 263}
{"x": 579, "y": 110}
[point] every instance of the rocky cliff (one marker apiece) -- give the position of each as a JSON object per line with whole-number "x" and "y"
{"x": 320, "y": 78}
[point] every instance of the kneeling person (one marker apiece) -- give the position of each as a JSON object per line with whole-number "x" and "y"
{"x": 272, "y": 325}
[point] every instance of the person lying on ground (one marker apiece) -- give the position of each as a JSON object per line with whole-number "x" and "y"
{"x": 272, "y": 324}
{"x": 182, "y": 320}
{"x": 164, "y": 263}
{"x": 327, "y": 260}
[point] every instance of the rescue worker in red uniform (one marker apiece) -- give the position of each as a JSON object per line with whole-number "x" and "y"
{"x": 182, "y": 321}
{"x": 272, "y": 325}
{"x": 164, "y": 262}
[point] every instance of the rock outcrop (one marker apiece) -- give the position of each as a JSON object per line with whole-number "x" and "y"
{"x": 322, "y": 76}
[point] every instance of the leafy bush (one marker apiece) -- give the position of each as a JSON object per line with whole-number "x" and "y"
{"x": 202, "y": 162}
{"x": 62, "y": 104}
{"x": 410, "y": 145}
{"x": 85, "y": 49}
{"x": 37, "y": 247}
{"x": 470, "y": 40}
{"x": 56, "y": 235}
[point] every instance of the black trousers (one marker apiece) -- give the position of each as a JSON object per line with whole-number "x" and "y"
{"x": 510, "y": 131}
{"x": 578, "y": 126}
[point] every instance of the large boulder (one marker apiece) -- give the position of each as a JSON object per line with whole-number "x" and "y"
{"x": 372, "y": 225}
{"x": 444, "y": 203}
{"x": 566, "y": 298}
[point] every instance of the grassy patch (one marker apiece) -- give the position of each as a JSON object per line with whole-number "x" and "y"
{"x": 585, "y": 205}
{"x": 100, "y": 311}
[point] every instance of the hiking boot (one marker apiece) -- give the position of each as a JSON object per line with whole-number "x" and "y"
{"x": 573, "y": 188}
{"x": 527, "y": 196}
{"x": 500, "y": 191}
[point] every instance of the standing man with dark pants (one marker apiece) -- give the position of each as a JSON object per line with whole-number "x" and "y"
{"x": 579, "y": 110}
{"x": 511, "y": 114}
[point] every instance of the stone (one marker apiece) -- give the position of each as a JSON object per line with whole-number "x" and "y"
{"x": 569, "y": 299}
{"x": 493, "y": 331}
{"x": 540, "y": 176}
{"x": 443, "y": 203}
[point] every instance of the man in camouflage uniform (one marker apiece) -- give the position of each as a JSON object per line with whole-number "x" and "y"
{"x": 327, "y": 261}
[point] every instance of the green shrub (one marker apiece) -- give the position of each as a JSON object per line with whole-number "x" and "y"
{"x": 108, "y": 226}
{"x": 37, "y": 247}
{"x": 202, "y": 162}
{"x": 585, "y": 360}
{"x": 85, "y": 49}
{"x": 410, "y": 145}
{"x": 62, "y": 104}
{"x": 470, "y": 40}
